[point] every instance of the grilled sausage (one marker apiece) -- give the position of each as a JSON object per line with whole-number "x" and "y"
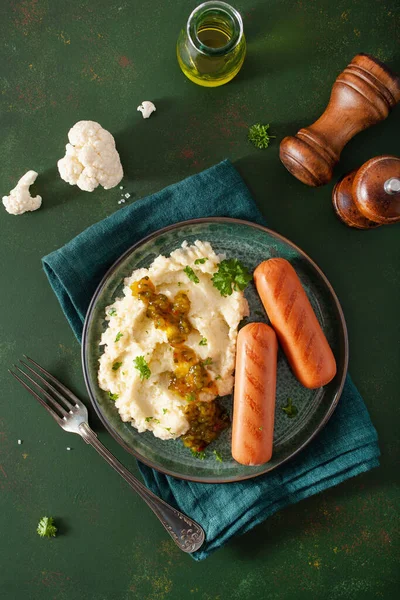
{"x": 254, "y": 396}
{"x": 295, "y": 323}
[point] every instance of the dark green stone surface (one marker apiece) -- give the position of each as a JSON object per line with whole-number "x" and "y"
{"x": 66, "y": 61}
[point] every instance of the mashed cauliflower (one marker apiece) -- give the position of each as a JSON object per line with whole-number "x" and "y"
{"x": 147, "y": 402}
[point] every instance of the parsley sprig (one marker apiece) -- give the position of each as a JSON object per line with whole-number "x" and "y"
{"x": 191, "y": 274}
{"x": 46, "y": 527}
{"x": 231, "y": 275}
{"x": 290, "y": 409}
{"x": 259, "y": 136}
{"x": 142, "y": 366}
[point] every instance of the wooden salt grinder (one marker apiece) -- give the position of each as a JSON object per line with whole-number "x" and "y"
{"x": 361, "y": 96}
{"x": 370, "y": 196}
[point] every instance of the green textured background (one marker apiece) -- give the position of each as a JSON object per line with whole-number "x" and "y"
{"x": 66, "y": 61}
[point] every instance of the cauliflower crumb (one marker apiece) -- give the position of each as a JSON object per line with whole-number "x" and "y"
{"x": 20, "y": 200}
{"x": 146, "y": 108}
{"x": 91, "y": 158}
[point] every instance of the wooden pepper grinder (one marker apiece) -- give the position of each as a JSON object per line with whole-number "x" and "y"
{"x": 370, "y": 196}
{"x": 361, "y": 96}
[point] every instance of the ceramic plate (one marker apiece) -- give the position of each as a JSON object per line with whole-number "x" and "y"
{"x": 251, "y": 244}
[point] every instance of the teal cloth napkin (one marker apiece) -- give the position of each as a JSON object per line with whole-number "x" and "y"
{"x": 348, "y": 444}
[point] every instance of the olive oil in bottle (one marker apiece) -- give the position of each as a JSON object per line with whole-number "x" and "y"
{"x": 211, "y": 50}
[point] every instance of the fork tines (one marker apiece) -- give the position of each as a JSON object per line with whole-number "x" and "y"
{"x": 56, "y": 409}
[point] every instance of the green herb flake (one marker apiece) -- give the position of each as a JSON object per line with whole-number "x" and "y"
{"x": 290, "y": 409}
{"x": 119, "y": 336}
{"x": 231, "y": 275}
{"x": 112, "y": 312}
{"x": 218, "y": 377}
{"x": 203, "y": 342}
{"x": 198, "y": 454}
{"x": 142, "y": 366}
{"x": 148, "y": 419}
{"x": 217, "y": 455}
{"x": 46, "y": 527}
{"x": 191, "y": 274}
{"x": 190, "y": 397}
{"x": 165, "y": 410}
{"x": 207, "y": 362}
{"x": 113, "y": 397}
{"x": 259, "y": 136}
{"x": 200, "y": 261}
{"x": 116, "y": 366}
{"x": 179, "y": 283}
{"x": 260, "y": 428}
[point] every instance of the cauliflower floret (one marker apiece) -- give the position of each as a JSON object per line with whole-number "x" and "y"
{"x": 91, "y": 158}
{"x": 20, "y": 200}
{"x": 146, "y": 108}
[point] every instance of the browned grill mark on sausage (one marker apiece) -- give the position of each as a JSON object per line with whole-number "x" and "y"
{"x": 252, "y": 428}
{"x": 254, "y": 382}
{"x": 279, "y": 284}
{"x": 300, "y": 324}
{"x": 309, "y": 347}
{"x": 249, "y": 449}
{"x": 253, "y": 356}
{"x": 290, "y": 304}
{"x": 259, "y": 338}
{"x": 320, "y": 364}
{"x": 253, "y": 406}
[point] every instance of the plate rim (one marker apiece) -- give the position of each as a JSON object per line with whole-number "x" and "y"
{"x": 88, "y": 319}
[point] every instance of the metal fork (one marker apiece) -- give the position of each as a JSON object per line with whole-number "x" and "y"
{"x": 72, "y": 415}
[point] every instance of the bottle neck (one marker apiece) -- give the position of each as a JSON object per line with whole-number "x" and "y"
{"x": 215, "y": 28}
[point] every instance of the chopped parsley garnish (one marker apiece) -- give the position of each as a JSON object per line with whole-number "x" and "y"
{"x": 142, "y": 366}
{"x": 203, "y": 342}
{"x": 148, "y": 419}
{"x": 116, "y": 366}
{"x": 200, "y": 261}
{"x": 260, "y": 428}
{"x": 179, "y": 283}
{"x": 112, "y": 312}
{"x": 169, "y": 429}
{"x": 218, "y": 377}
{"x": 207, "y": 362}
{"x": 217, "y": 455}
{"x": 259, "y": 136}
{"x": 191, "y": 274}
{"x": 113, "y": 396}
{"x": 190, "y": 397}
{"x": 231, "y": 275}
{"x": 201, "y": 455}
{"x": 118, "y": 336}
{"x": 165, "y": 410}
{"x": 290, "y": 409}
{"x": 46, "y": 527}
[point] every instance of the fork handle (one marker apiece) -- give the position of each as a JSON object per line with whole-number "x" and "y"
{"x": 185, "y": 532}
